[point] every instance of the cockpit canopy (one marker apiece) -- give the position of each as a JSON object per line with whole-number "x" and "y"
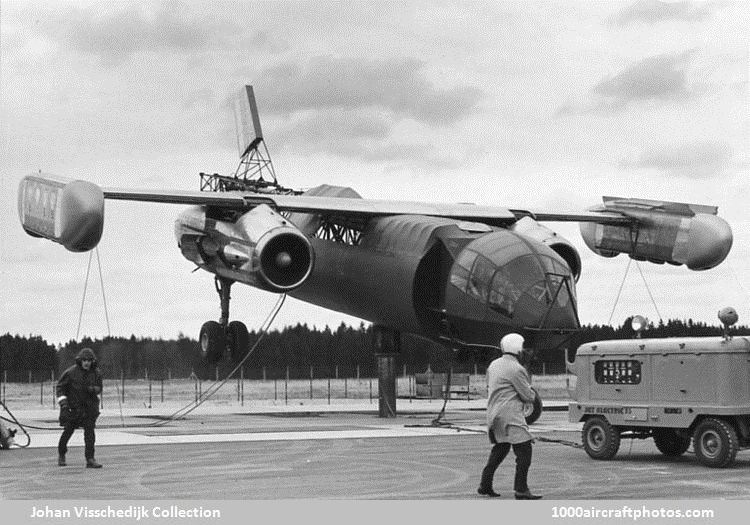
{"x": 516, "y": 277}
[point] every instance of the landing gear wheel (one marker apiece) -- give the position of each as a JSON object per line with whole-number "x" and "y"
{"x": 600, "y": 439}
{"x": 237, "y": 339}
{"x": 715, "y": 443}
{"x": 213, "y": 342}
{"x": 670, "y": 442}
{"x": 532, "y": 411}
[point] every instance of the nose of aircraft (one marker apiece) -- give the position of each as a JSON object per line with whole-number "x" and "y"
{"x": 505, "y": 281}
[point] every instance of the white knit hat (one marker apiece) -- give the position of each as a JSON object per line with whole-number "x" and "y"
{"x": 512, "y": 344}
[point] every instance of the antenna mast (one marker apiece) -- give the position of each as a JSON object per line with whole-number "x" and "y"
{"x": 255, "y": 172}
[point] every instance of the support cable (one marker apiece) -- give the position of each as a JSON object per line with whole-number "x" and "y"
{"x": 648, "y": 289}
{"x": 617, "y": 299}
{"x": 104, "y": 299}
{"x": 83, "y": 300}
{"x": 85, "y": 288}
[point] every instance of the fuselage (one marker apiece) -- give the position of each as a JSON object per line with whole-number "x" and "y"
{"x": 425, "y": 275}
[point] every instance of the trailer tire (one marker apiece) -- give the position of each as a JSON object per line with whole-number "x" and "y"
{"x": 715, "y": 443}
{"x": 670, "y": 442}
{"x": 600, "y": 439}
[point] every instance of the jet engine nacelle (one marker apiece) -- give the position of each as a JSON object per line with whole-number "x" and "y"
{"x": 670, "y": 232}
{"x": 68, "y": 212}
{"x": 261, "y": 248}
{"x": 560, "y": 245}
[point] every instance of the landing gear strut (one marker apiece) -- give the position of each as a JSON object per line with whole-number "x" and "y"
{"x": 223, "y": 338}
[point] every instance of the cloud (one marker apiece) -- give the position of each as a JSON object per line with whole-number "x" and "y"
{"x": 661, "y": 78}
{"x": 357, "y": 109}
{"x": 655, "y": 11}
{"x": 396, "y": 85}
{"x": 692, "y": 159}
{"x": 365, "y": 134}
{"x": 115, "y": 36}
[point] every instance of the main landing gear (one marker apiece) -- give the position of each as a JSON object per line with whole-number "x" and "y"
{"x": 223, "y": 338}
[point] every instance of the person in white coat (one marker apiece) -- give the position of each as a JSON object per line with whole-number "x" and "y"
{"x": 509, "y": 388}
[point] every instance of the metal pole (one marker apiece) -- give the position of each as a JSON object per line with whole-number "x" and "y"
{"x": 122, "y": 380}
{"x": 346, "y": 389}
{"x": 311, "y": 382}
{"x": 149, "y": 394}
{"x": 162, "y": 390}
{"x": 242, "y": 386}
{"x": 41, "y": 393}
{"x": 196, "y": 389}
{"x": 329, "y": 390}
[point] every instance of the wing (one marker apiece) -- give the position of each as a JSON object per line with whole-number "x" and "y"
{"x": 359, "y": 208}
{"x": 71, "y": 213}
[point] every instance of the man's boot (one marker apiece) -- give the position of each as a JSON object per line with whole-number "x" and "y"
{"x": 91, "y": 463}
{"x": 61, "y": 460}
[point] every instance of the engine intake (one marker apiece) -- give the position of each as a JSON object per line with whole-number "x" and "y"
{"x": 560, "y": 245}
{"x": 262, "y": 248}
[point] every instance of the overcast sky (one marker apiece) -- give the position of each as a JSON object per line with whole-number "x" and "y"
{"x": 524, "y": 104}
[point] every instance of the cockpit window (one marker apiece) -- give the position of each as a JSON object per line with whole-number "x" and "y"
{"x": 461, "y": 269}
{"x": 479, "y": 280}
{"x": 503, "y": 293}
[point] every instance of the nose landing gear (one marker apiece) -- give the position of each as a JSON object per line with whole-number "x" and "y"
{"x": 223, "y": 338}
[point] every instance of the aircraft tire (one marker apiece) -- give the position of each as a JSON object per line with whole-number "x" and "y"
{"x": 238, "y": 339}
{"x": 670, "y": 442}
{"x": 532, "y": 411}
{"x": 600, "y": 439}
{"x": 212, "y": 342}
{"x": 715, "y": 443}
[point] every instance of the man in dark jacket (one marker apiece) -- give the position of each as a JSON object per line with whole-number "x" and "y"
{"x": 78, "y": 396}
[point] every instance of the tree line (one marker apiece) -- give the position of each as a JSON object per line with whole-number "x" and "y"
{"x": 298, "y": 351}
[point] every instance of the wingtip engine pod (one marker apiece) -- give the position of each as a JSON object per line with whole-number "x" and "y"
{"x": 67, "y": 212}
{"x": 671, "y": 232}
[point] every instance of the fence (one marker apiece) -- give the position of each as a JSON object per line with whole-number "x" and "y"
{"x": 259, "y": 385}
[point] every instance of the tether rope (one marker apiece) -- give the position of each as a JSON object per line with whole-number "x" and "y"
{"x": 617, "y": 299}
{"x": 649, "y": 291}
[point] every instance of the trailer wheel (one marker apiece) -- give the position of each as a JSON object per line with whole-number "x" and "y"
{"x": 532, "y": 411}
{"x": 600, "y": 439}
{"x": 715, "y": 443}
{"x": 670, "y": 442}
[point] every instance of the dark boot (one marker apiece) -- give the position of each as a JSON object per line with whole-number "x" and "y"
{"x": 91, "y": 463}
{"x": 487, "y": 492}
{"x": 527, "y": 495}
{"x": 61, "y": 460}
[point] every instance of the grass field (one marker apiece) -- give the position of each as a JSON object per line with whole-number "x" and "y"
{"x": 151, "y": 393}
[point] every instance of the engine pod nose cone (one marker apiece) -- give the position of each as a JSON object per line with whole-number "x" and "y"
{"x": 709, "y": 243}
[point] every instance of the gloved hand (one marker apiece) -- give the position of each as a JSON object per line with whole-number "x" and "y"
{"x": 96, "y": 390}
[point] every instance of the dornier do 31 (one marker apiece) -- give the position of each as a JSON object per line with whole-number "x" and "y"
{"x": 459, "y": 273}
